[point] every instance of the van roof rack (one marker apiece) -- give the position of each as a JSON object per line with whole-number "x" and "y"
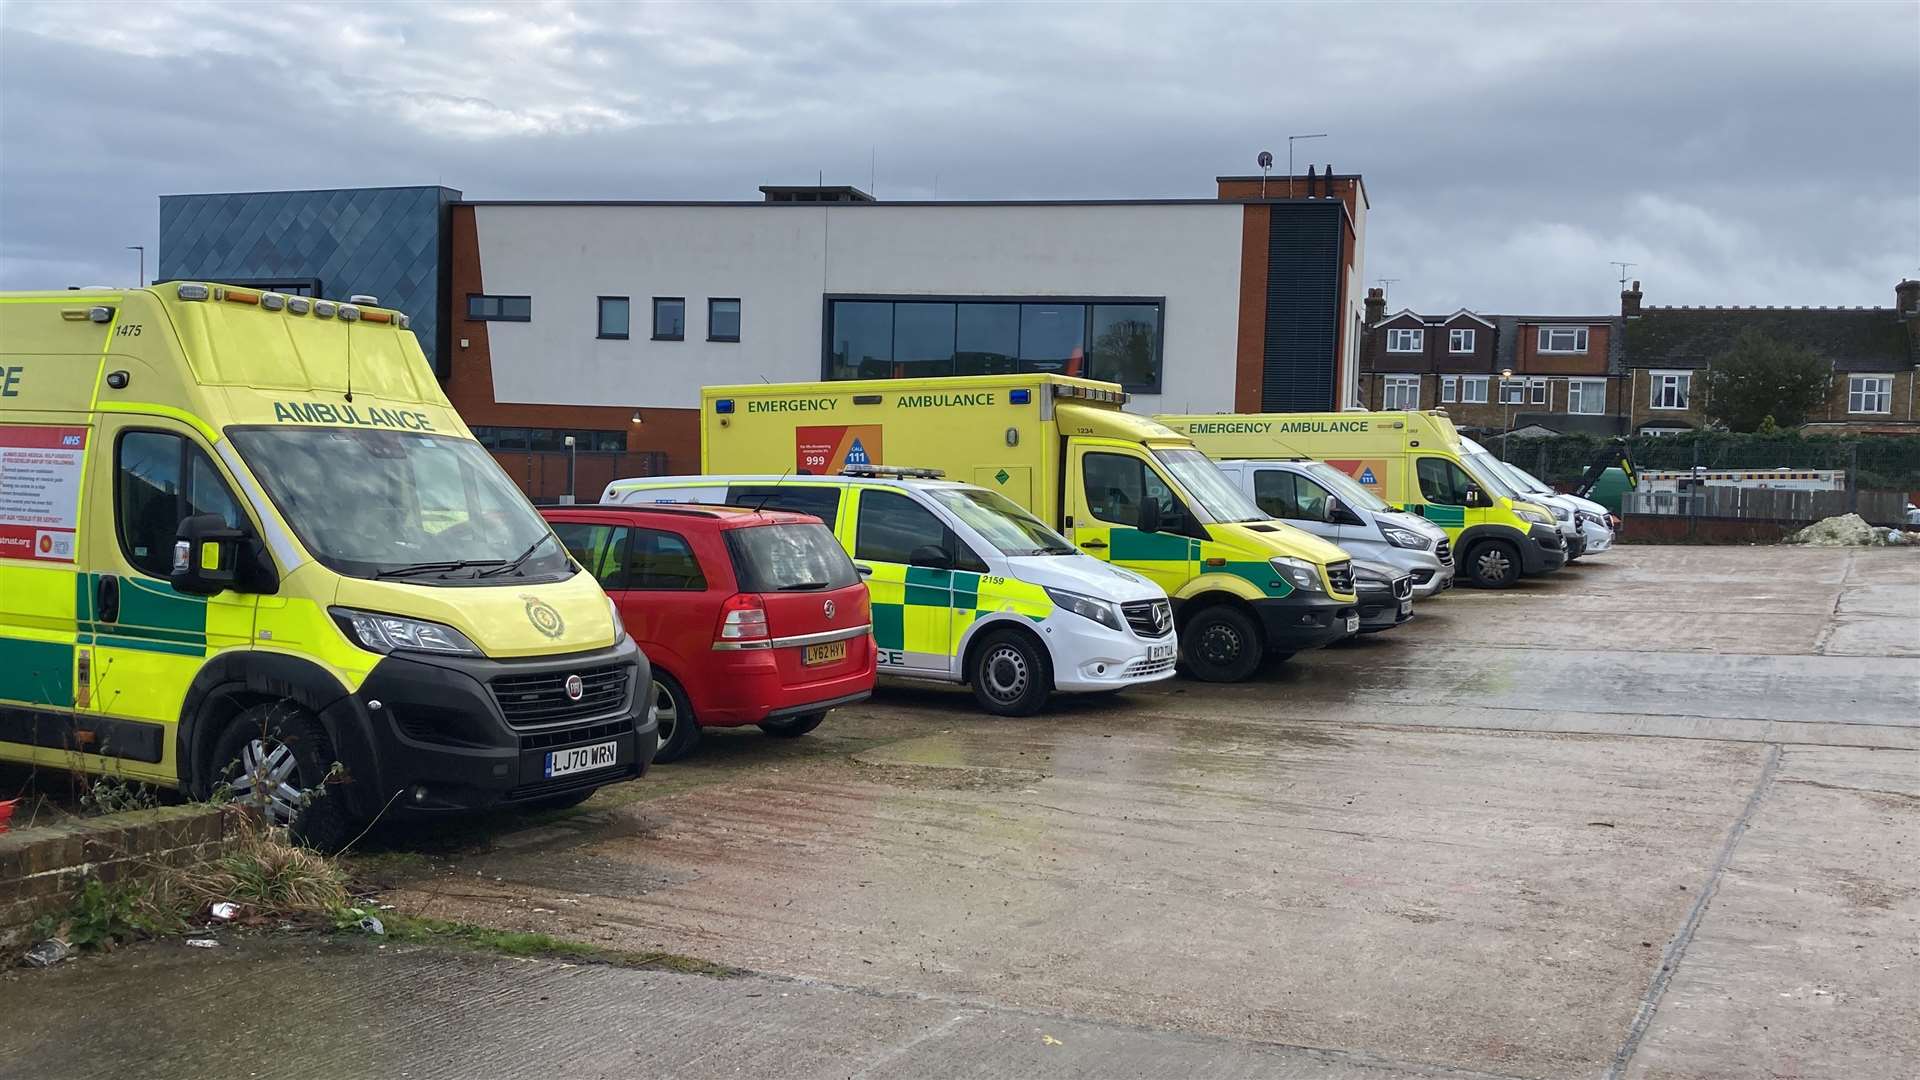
{"x": 894, "y": 472}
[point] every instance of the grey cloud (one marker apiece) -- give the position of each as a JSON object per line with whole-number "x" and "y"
{"x": 1766, "y": 154}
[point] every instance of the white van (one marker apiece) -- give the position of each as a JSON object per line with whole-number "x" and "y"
{"x": 965, "y": 585}
{"x": 1596, "y": 535}
{"x": 1326, "y": 502}
{"x": 1565, "y": 515}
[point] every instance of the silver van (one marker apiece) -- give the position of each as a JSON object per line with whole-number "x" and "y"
{"x": 1326, "y": 502}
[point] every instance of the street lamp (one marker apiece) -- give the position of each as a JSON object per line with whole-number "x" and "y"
{"x": 572, "y": 457}
{"x": 1506, "y": 411}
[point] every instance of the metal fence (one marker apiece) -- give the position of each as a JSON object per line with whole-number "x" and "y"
{"x": 542, "y": 474}
{"x": 1872, "y": 462}
{"x": 1775, "y": 505}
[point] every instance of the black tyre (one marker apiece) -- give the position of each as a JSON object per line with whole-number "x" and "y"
{"x": 792, "y": 727}
{"x": 1010, "y": 674}
{"x": 1221, "y": 644}
{"x": 276, "y": 759}
{"x": 679, "y": 730}
{"x": 558, "y": 802}
{"x": 1493, "y": 564}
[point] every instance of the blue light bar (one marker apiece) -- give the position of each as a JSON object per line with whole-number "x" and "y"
{"x": 723, "y": 406}
{"x": 1019, "y": 397}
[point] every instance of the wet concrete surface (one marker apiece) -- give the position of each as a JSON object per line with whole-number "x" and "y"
{"x": 1653, "y": 816}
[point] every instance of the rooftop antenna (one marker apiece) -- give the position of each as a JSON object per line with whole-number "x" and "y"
{"x": 873, "y": 184}
{"x": 1290, "y": 142}
{"x": 1386, "y": 285}
{"x": 1624, "y": 267}
{"x": 768, "y": 494}
{"x": 1265, "y": 161}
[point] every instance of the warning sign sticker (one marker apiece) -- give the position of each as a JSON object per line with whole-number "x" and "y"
{"x": 40, "y": 491}
{"x": 823, "y": 451}
{"x": 1370, "y": 472}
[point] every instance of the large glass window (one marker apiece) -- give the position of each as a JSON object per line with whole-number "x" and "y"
{"x": 922, "y": 340}
{"x": 892, "y": 527}
{"x": 899, "y": 338}
{"x": 1473, "y": 389}
{"x": 1442, "y": 482}
{"x": 1563, "y": 339}
{"x": 789, "y": 558}
{"x": 861, "y": 334}
{"x": 1587, "y": 396}
{"x": 484, "y": 307}
{"x": 1870, "y": 393}
{"x": 1400, "y": 392}
{"x": 661, "y": 560}
{"x": 1002, "y": 522}
{"x": 1405, "y": 340}
{"x": 358, "y": 501}
{"x": 613, "y": 317}
{"x": 1116, "y": 485}
{"x": 1670, "y": 389}
{"x": 669, "y": 318}
{"x": 1273, "y": 492}
{"x": 162, "y": 480}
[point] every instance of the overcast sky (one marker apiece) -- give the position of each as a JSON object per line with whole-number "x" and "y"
{"x": 1738, "y": 155}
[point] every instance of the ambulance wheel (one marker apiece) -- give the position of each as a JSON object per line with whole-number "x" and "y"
{"x": 1221, "y": 644}
{"x": 679, "y": 731}
{"x": 1010, "y": 675}
{"x": 1493, "y": 564}
{"x": 792, "y": 727}
{"x": 275, "y": 759}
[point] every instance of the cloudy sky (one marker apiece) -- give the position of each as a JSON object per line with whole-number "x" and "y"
{"x": 1753, "y": 155}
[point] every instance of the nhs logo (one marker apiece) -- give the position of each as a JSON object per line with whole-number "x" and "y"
{"x": 74, "y": 441}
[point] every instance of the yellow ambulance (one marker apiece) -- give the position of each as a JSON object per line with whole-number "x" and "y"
{"x": 1122, "y": 488}
{"x": 246, "y": 543}
{"x": 1411, "y": 459}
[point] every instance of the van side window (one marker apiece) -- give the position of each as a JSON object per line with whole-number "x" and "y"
{"x": 161, "y": 480}
{"x": 1442, "y": 481}
{"x": 662, "y": 560}
{"x": 596, "y": 548}
{"x": 1273, "y": 492}
{"x": 821, "y": 502}
{"x": 892, "y": 526}
{"x": 1116, "y": 484}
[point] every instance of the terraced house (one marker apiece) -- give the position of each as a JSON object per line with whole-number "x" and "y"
{"x": 1632, "y": 373}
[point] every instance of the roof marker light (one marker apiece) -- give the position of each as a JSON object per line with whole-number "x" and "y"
{"x": 404, "y": 321}
{"x": 349, "y": 313}
{"x": 1019, "y": 397}
{"x": 193, "y": 291}
{"x": 298, "y": 305}
{"x": 375, "y": 316}
{"x": 272, "y": 301}
{"x": 240, "y": 296}
{"x": 324, "y": 309}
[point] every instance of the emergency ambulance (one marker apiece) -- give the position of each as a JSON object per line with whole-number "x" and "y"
{"x": 246, "y": 544}
{"x": 1411, "y": 459}
{"x": 963, "y": 585}
{"x": 1122, "y": 488}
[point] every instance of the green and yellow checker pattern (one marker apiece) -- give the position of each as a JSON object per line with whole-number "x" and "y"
{"x": 925, "y": 614}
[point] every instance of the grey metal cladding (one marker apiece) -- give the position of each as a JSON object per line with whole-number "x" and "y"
{"x": 1303, "y": 307}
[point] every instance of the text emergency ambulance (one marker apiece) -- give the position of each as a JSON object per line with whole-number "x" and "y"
{"x": 1410, "y": 459}
{"x": 964, "y": 586}
{"x": 244, "y": 540}
{"x": 1124, "y": 489}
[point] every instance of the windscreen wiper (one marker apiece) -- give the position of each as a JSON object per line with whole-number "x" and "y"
{"x": 803, "y": 586}
{"x": 430, "y": 567}
{"x": 518, "y": 562}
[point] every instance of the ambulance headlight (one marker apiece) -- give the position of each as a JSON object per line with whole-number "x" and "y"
{"x": 1532, "y": 515}
{"x": 619, "y": 624}
{"x": 394, "y": 633}
{"x": 1087, "y": 607}
{"x": 1301, "y": 574}
{"x": 1405, "y": 538}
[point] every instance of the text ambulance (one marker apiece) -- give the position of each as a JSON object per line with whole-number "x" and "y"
{"x": 1124, "y": 489}
{"x": 244, "y": 540}
{"x": 1411, "y": 459}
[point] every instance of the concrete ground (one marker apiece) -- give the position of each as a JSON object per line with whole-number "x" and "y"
{"x": 1654, "y": 816}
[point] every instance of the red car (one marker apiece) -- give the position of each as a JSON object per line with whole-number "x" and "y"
{"x": 748, "y": 617}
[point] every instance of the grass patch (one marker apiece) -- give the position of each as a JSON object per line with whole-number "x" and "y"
{"x": 417, "y": 930}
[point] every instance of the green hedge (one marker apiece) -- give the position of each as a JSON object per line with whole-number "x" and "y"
{"x": 1877, "y": 462}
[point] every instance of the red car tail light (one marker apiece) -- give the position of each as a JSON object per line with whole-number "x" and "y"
{"x": 743, "y": 618}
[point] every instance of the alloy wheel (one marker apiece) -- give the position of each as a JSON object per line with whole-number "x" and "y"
{"x": 1493, "y": 565}
{"x": 665, "y": 714}
{"x": 268, "y": 781}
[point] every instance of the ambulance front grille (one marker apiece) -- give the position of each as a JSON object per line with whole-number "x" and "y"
{"x": 1144, "y": 667}
{"x": 1402, "y": 588}
{"x": 1340, "y": 575}
{"x": 530, "y": 700}
{"x": 1149, "y": 618}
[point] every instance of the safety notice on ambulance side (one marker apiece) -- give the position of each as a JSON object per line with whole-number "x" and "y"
{"x": 40, "y": 491}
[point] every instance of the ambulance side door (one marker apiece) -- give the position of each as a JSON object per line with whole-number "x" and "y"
{"x": 912, "y": 604}
{"x": 1106, "y": 488}
{"x": 146, "y": 641}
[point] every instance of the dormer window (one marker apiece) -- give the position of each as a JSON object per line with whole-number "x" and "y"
{"x": 1563, "y": 339}
{"x": 1405, "y": 341}
{"x": 1460, "y": 341}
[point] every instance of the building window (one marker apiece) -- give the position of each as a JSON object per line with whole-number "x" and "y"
{"x": 1401, "y": 392}
{"x": 891, "y": 338}
{"x": 1460, "y": 341}
{"x": 1870, "y": 393}
{"x": 1563, "y": 339}
{"x": 723, "y": 319}
{"x": 669, "y": 318}
{"x": 1537, "y": 391}
{"x": 1473, "y": 389}
{"x": 485, "y": 307}
{"x": 1513, "y": 391}
{"x": 1401, "y": 340}
{"x": 1587, "y": 396}
{"x": 1670, "y": 389}
{"x": 1449, "y": 389}
{"x": 584, "y": 442}
{"x": 613, "y": 317}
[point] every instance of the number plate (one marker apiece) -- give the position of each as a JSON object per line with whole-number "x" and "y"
{"x": 824, "y": 654}
{"x": 582, "y": 759}
{"x": 1353, "y": 623}
{"x": 1159, "y": 652}
{"x": 1406, "y": 607}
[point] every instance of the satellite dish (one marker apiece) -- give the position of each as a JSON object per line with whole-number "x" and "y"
{"x": 1265, "y": 160}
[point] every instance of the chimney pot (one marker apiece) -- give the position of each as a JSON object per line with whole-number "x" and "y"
{"x": 1906, "y": 299}
{"x": 1376, "y": 305}
{"x": 1630, "y": 302}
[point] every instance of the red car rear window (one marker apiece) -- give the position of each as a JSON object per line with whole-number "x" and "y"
{"x": 789, "y": 558}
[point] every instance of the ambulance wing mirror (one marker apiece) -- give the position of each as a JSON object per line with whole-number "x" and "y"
{"x": 1476, "y": 497}
{"x": 931, "y": 557}
{"x": 206, "y": 555}
{"x": 1149, "y": 516}
{"x": 1338, "y": 514}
